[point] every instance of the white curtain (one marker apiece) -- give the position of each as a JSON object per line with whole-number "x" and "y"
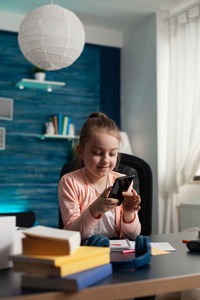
{"x": 182, "y": 85}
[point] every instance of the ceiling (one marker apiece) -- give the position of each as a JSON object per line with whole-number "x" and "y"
{"x": 112, "y": 14}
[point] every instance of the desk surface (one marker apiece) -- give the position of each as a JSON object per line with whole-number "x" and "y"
{"x": 176, "y": 271}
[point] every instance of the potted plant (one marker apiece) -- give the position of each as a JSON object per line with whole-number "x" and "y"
{"x": 39, "y": 74}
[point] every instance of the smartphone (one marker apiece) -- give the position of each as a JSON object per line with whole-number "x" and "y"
{"x": 120, "y": 185}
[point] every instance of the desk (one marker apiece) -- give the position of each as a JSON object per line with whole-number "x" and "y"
{"x": 173, "y": 272}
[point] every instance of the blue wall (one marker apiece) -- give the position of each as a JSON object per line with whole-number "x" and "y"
{"x": 30, "y": 167}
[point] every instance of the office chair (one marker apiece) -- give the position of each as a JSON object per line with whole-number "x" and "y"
{"x": 23, "y": 219}
{"x": 143, "y": 184}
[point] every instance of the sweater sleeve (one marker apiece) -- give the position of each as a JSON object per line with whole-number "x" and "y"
{"x": 74, "y": 217}
{"x": 131, "y": 230}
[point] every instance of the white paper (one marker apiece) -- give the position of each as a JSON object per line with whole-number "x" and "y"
{"x": 118, "y": 245}
{"x": 164, "y": 246}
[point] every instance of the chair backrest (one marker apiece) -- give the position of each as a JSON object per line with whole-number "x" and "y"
{"x": 143, "y": 184}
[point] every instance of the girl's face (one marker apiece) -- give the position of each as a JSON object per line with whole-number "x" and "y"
{"x": 100, "y": 154}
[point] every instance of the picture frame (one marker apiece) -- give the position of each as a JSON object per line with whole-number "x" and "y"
{"x": 2, "y": 138}
{"x": 6, "y": 108}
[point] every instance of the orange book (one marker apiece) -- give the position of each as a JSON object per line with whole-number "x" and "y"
{"x": 43, "y": 240}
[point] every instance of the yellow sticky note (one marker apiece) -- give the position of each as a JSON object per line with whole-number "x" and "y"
{"x": 155, "y": 251}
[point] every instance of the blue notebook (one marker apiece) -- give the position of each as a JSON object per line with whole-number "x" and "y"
{"x": 72, "y": 283}
{"x": 68, "y": 123}
{"x": 60, "y": 123}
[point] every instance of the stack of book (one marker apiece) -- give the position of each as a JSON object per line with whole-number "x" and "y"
{"x": 44, "y": 266}
{"x": 61, "y": 124}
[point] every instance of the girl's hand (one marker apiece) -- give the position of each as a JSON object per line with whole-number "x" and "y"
{"x": 130, "y": 205}
{"x": 103, "y": 204}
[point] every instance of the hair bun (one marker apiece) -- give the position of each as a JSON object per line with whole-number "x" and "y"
{"x": 96, "y": 114}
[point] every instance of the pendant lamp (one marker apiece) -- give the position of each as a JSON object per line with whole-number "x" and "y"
{"x": 51, "y": 37}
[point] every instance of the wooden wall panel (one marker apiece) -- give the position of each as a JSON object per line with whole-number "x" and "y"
{"x": 30, "y": 167}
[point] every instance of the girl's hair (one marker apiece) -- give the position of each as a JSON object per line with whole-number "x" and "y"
{"x": 97, "y": 121}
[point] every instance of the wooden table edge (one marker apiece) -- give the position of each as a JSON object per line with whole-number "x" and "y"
{"x": 121, "y": 290}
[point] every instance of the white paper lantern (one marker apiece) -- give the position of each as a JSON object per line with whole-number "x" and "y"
{"x": 51, "y": 37}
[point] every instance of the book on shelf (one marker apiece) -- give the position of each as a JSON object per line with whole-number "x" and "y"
{"x": 54, "y": 119}
{"x": 84, "y": 258}
{"x": 64, "y": 128}
{"x": 66, "y": 123}
{"x": 73, "y": 283}
{"x": 60, "y": 123}
{"x": 43, "y": 240}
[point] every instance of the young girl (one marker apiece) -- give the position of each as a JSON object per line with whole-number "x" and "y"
{"x": 83, "y": 194}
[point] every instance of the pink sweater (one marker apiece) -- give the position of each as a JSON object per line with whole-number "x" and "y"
{"x": 75, "y": 194}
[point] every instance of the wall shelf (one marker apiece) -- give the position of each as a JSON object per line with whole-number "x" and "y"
{"x": 58, "y": 136}
{"x": 39, "y": 84}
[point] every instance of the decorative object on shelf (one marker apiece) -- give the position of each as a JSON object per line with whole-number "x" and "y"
{"x": 125, "y": 146}
{"x": 71, "y": 129}
{"x": 51, "y": 37}
{"x": 38, "y": 84}
{"x": 39, "y": 74}
{"x": 49, "y": 128}
{"x": 2, "y": 138}
{"x": 6, "y": 108}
